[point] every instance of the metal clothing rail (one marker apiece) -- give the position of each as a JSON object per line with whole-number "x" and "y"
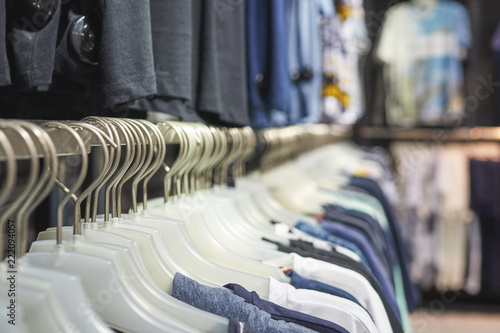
{"x": 286, "y": 143}
{"x": 462, "y": 134}
{"x": 66, "y": 145}
{"x": 64, "y": 142}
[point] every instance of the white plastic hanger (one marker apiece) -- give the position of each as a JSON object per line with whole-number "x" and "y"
{"x": 241, "y": 220}
{"x": 27, "y": 287}
{"x": 139, "y": 241}
{"x": 221, "y": 228}
{"x": 159, "y": 260}
{"x": 206, "y": 243}
{"x": 136, "y": 274}
{"x": 64, "y": 284}
{"x": 223, "y": 215}
{"x": 179, "y": 245}
{"x": 299, "y": 192}
{"x": 117, "y": 302}
{"x": 38, "y": 311}
{"x": 9, "y": 182}
{"x": 186, "y": 207}
{"x": 263, "y": 199}
{"x": 20, "y": 326}
{"x": 245, "y": 141}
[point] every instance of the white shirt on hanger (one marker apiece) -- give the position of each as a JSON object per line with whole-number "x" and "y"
{"x": 346, "y": 279}
{"x": 336, "y": 309}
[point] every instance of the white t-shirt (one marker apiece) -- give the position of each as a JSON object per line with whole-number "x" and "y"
{"x": 338, "y": 310}
{"x": 423, "y": 50}
{"x": 348, "y": 280}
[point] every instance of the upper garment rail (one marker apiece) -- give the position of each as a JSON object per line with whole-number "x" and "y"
{"x": 462, "y": 134}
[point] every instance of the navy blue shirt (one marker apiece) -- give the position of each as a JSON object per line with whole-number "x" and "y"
{"x": 412, "y": 293}
{"x": 370, "y": 228}
{"x": 267, "y": 63}
{"x": 485, "y": 193}
{"x": 280, "y": 313}
{"x": 300, "y": 282}
{"x": 356, "y": 237}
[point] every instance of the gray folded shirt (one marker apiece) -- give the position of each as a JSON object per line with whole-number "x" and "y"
{"x": 4, "y": 62}
{"x": 222, "y": 302}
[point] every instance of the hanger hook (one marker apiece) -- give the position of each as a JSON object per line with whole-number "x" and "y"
{"x": 195, "y": 149}
{"x": 172, "y": 135}
{"x": 146, "y": 140}
{"x": 86, "y": 194}
{"x": 10, "y": 176}
{"x": 114, "y": 157}
{"x": 32, "y": 177}
{"x": 81, "y": 177}
{"x": 11, "y": 167}
{"x": 45, "y": 183}
{"x": 206, "y": 151}
{"x": 138, "y": 158}
{"x": 113, "y": 181}
{"x": 156, "y": 165}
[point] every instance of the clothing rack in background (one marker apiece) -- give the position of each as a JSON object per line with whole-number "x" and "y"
{"x": 462, "y": 134}
{"x": 448, "y": 169}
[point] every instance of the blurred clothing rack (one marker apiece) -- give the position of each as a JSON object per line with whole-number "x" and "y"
{"x": 462, "y": 134}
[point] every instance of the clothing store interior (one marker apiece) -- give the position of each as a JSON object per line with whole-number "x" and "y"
{"x": 249, "y": 166}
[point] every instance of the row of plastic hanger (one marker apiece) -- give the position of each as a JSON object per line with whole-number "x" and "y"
{"x": 116, "y": 270}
